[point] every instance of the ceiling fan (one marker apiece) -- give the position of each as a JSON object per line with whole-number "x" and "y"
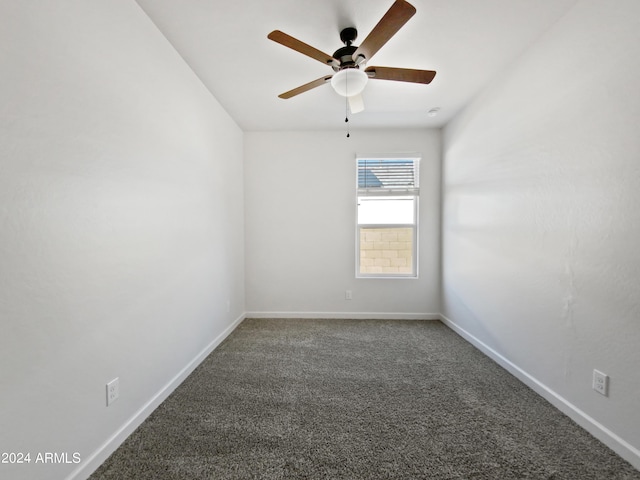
{"x": 349, "y": 79}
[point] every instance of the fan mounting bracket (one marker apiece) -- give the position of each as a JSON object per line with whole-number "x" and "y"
{"x": 348, "y": 35}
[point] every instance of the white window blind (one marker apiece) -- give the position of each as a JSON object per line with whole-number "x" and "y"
{"x": 388, "y": 176}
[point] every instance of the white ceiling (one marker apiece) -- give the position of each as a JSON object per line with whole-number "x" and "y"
{"x": 468, "y": 42}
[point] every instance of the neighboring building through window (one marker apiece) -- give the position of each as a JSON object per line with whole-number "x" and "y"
{"x": 387, "y": 216}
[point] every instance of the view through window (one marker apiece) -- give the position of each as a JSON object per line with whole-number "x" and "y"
{"x": 387, "y": 216}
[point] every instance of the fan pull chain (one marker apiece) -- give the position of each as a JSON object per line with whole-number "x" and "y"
{"x": 346, "y": 118}
{"x": 346, "y": 105}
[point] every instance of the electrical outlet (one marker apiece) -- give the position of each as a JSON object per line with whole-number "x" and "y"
{"x": 348, "y": 295}
{"x": 601, "y": 383}
{"x": 113, "y": 390}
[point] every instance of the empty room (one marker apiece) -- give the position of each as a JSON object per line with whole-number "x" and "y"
{"x": 325, "y": 240}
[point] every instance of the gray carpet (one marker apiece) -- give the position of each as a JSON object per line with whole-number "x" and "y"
{"x": 356, "y": 399}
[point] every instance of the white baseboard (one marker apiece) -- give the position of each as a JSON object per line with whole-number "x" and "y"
{"x": 602, "y": 433}
{"x": 346, "y": 315}
{"x": 98, "y": 457}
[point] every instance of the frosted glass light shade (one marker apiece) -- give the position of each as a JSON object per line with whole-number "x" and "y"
{"x": 349, "y": 82}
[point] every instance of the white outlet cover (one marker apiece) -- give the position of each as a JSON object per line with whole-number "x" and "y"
{"x": 113, "y": 390}
{"x": 601, "y": 382}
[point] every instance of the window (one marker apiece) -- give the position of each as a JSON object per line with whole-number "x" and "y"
{"x": 387, "y": 216}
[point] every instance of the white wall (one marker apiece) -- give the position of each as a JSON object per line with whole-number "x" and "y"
{"x": 542, "y": 218}
{"x": 121, "y": 224}
{"x": 300, "y": 225}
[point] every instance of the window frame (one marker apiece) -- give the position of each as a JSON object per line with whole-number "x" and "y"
{"x": 411, "y": 192}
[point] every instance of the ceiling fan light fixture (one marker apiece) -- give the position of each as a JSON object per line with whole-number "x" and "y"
{"x": 349, "y": 82}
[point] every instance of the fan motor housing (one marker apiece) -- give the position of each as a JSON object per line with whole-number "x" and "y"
{"x": 345, "y": 56}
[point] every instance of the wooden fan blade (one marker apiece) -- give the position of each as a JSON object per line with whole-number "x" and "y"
{"x": 305, "y": 87}
{"x": 399, "y": 14}
{"x": 401, "y": 74}
{"x": 295, "y": 44}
